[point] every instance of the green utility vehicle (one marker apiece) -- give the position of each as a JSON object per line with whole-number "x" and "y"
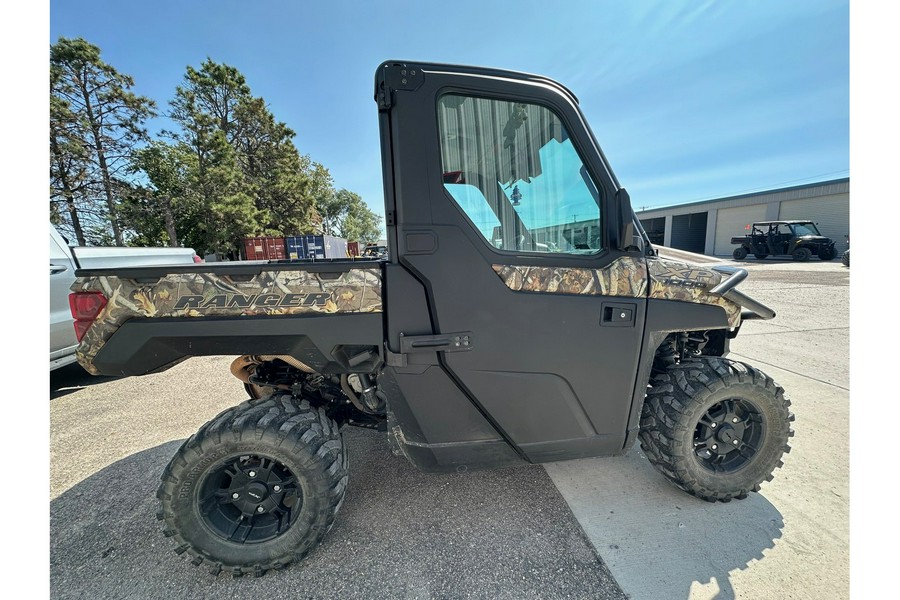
{"x": 520, "y": 315}
{"x": 798, "y": 239}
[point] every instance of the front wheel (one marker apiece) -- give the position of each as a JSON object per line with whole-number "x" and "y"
{"x": 801, "y": 254}
{"x": 255, "y": 488}
{"x": 715, "y": 428}
{"x": 827, "y": 253}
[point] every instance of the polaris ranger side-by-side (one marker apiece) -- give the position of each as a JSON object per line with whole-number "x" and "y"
{"x": 520, "y": 315}
{"x": 798, "y": 239}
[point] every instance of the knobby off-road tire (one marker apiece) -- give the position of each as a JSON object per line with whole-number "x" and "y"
{"x": 255, "y": 488}
{"x": 740, "y": 253}
{"x": 677, "y": 437}
{"x": 760, "y": 256}
{"x": 827, "y": 253}
{"x": 845, "y": 258}
{"x": 801, "y": 254}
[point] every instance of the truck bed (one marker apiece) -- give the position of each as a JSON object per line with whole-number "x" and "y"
{"x": 218, "y": 309}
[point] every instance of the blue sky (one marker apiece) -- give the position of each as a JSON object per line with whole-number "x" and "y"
{"x": 689, "y": 101}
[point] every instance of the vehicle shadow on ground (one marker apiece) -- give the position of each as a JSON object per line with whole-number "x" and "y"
{"x": 660, "y": 543}
{"x": 504, "y": 533}
{"x": 71, "y": 378}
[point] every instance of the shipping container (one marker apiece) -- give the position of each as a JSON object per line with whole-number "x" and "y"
{"x": 352, "y": 248}
{"x": 315, "y": 246}
{"x": 295, "y": 246}
{"x": 304, "y": 247}
{"x": 264, "y": 248}
{"x": 334, "y": 247}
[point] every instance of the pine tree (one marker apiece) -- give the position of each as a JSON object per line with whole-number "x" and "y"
{"x": 99, "y": 119}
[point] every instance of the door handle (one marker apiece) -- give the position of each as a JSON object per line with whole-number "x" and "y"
{"x": 450, "y": 342}
{"x": 617, "y": 314}
{"x": 54, "y": 269}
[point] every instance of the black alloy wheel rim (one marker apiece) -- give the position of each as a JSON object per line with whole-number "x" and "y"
{"x": 728, "y": 435}
{"x": 249, "y": 499}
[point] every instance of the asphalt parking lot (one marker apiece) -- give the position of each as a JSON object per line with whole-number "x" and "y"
{"x": 596, "y": 528}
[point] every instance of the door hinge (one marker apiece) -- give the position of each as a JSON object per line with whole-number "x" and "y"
{"x": 397, "y": 76}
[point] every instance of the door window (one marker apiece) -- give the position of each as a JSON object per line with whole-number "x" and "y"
{"x": 512, "y": 169}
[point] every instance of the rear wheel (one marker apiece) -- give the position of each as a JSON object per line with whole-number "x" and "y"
{"x": 740, "y": 253}
{"x": 801, "y": 254}
{"x": 255, "y": 488}
{"x": 845, "y": 258}
{"x": 715, "y": 428}
{"x": 760, "y": 256}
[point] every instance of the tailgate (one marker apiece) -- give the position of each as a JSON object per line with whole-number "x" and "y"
{"x": 203, "y": 291}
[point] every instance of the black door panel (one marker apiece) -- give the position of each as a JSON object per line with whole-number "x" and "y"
{"x": 581, "y": 373}
{"x": 544, "y": 369}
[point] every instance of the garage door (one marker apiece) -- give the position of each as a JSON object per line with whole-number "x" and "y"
{"x": 689, "y": 232}
{"x": 731, "y": 222}
{"x": 832, "y": 213}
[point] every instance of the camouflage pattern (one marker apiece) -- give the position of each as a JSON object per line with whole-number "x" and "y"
{"x": 197, "y": 294}
{"x": 676, "y": 280}
{"x": 625, "y": 277}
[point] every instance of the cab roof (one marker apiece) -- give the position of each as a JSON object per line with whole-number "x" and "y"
{"x": 782, "y": 222}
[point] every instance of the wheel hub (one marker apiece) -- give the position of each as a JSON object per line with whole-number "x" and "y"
{"x": 249, "y": 499}
{"x": 257, "y": 491}
{"x": 728, "y": 435}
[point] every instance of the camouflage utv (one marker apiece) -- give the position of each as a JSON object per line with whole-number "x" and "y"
{"x": 520, "y": 315}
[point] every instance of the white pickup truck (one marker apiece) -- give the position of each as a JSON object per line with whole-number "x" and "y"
{"x": 63, "y": 262}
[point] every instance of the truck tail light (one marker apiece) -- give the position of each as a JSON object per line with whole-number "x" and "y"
{"x": 85, "y": 307}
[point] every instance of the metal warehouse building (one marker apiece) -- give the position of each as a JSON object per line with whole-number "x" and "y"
{"x": 707, "y": 227}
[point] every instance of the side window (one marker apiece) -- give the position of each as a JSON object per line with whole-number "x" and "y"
{"x": 512, "y": 169}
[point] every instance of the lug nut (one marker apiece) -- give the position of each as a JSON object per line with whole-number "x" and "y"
{"x": 235, "y": 495}
{"x": 713, "y": 425}
{"x": 734, "y": 420}
{"x": 276, "y": 488}
{"x": 252, "y": 473}
{"x": 260, "y": 509}
{"x": 735, "y": 442}
{"x": 714, "y": 447}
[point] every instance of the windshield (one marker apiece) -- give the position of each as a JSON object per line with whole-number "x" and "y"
{"x": 805, "y": 229}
